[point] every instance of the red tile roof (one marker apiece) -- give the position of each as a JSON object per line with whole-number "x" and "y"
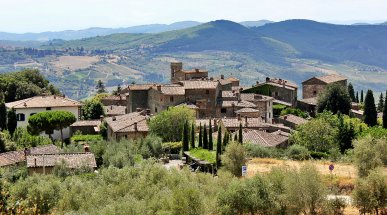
{"x": 14, "y": 157}
{"x": 44, "y": 101}
{"x": 263, "y": 138}
{"x": 126, "y": 123}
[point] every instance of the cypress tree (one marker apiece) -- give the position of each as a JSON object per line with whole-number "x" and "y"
{"x": 385, "y": 112}
{"x": 11, "y": 121}
{"x": 225, "y": 139}
{"x": 351, "y": 92}
{"x": 357, "y": 96}
{"x": 192, "y": 136}
{"x": 219, "y": 147}
{"x": 381, "y": 103}
{"x": 240, "y": 135}
{"x": 3, "y": 115}
{"x": 210, "y": 141}
{"x": 361, "y": 96}
{"x": 185, "y": 137}
{"x": 200, "y": 136}
{"x": 370, "y": 113}
{"x": 205, "y": 137}
{"x": 236, "y": 137}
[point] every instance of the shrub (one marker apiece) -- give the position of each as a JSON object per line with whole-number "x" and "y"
{"x": 277, "y": 109}
{"x": 319, "y": 155}
{"x": 172, "y": 147}
{"x": 85, "y": 138}
{"x": 297, "y": 152}
{"x": 234, "y": 158}
{"x": 294, "y": 111}
{"x": 253, "y": 150}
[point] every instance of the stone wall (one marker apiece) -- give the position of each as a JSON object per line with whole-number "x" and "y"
{"x": 137, "y": 99}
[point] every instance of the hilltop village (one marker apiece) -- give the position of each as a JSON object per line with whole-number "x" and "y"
{"x": 199, "y": 123}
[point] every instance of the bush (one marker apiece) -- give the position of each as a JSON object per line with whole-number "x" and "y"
{"x": 234, "y": 158}
{"x": 294, "y": 111}
{"x": 297, "y": 152}
{"x": 277, "y": 109}
{"x": 253, "y": 150}
{"x": 86, "y": 138}
{"x": 172, "y": 147}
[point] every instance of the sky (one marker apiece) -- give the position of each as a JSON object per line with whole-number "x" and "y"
{"x": 19, "y": 16}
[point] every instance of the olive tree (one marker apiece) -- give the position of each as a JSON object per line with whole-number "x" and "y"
{"x": 234, "y": 158}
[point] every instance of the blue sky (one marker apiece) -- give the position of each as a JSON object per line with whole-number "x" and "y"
{"x": 53, "y": 15}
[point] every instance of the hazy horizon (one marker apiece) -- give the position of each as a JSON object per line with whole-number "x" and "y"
{"x": 44, "y": 15}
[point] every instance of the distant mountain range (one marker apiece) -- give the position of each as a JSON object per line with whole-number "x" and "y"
{"x": 93, "y": 32}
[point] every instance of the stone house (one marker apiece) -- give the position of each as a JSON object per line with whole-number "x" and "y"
{"x": 263, "y": 103}
{"x": 28, "y": 107}
{"x": 129, "y": 126}
{"x": 119, "y": 100}
{"x": 292, "y": 121}
{"x": 232, "y": 124}
{"x": 17, "y": 157}
{"x": 279, "y": 89}
{"x": 230, "y": 108}
{"x": 263, "y": 138}
{"x": 137, "y": 97}
{"x": 308, "y": 105}
{"x": 316, "y": 85}
{"x": 45, "y": 163}
{"x": 178, "y": 74}
{"x": 85, "y": 127}
{"x": 160, "y": 97}
{"x": 115, "y": 110}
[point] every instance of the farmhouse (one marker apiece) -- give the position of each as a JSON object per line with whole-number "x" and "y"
{"x": 17, "y": 157}
{"x": 132, "y": 125}
{"x": 45, "y": 163}
{"x": 316, "y": 85}
{"x": 28, "y": 107}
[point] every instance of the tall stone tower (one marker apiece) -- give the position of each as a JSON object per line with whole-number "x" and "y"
{"x": 175, "y": 67}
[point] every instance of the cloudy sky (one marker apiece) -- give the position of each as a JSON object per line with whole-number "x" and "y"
{"x": 53, "y": 15}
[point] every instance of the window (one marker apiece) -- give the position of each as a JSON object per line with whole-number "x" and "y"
{"x": 223, "y": 110}
{"x": 48, "y": 108}
{"x": 315, "y": 92}
{"x": 20, "y": 117}
{"x": 207, "y": 92}
{"x": 275, "y": 93}
{"x": 155, "y": 109}
{"x": 171, "y": 98}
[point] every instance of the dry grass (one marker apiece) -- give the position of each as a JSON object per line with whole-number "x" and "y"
{"x": 74, "y": 62}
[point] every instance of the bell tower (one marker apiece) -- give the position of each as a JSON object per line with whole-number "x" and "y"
{"x": 175, "y": 67}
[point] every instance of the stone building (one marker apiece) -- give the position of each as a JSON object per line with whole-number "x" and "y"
{"x": 316, "y": 85}
{"x": 129, "y": 126}
{"x": 283, "y": 90}
{"x": 178, "y": 74}
{"x": 292, "y": 121}
{"x": 45, "y": 163}
{"x": 85, "y": 127}
{"x": 119, "y": 100}
{"x": 115, "y": 110}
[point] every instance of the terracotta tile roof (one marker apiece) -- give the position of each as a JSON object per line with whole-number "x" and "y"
{"x": 81, "y": 123}
{"x": 125, "y": 123}
{"x": 309, "y": 101}
{"x": 140, "y": 86}
{"x": 115, "y": 110}
{"x": 263, "y": 138}
{"x": 294, "y": 119}
{"x": 114, "y": 98}
{"x": 232, "y": 79}
{"x": 247, "y": 110}
{"x": 73, "y": 160}
{"x": 173, "y": 90}
{"x": 14, "y": 157}
{"x": 280, "y": 83}
{"x": 255, "y": 97}
{"x": 241, "y": 104}
{"x": 224, "y": 81}
{"x": 199, "y": 84}
{"x": 206, "y": 121}
{"x": 331, "y": 78}
{"x": 44, "y": 101}
{"x": 251, "y": 123}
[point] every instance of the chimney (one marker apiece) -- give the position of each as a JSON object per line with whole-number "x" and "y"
{"x": 120, "y": 98}
{"x": 114, "y": 118}
{"x": 221, "y": 76}
{"x": 86, "y": 148}
{"x": 267, "y": 79}
{"x": 158, "y": 87}
{"x": 239, "y": 117}
{"x": 54, "y": 96}
{"x": 135, "y": 127}
{"x": 138, "y": 109}
{"x": 211, "y": 79}
{"x": 196, "y": 70}
{"x": 111, "y": 107}
{"x": 257, "y": 82}
{"x": 283, "y": 84}
{"x": 148, "y": 112}
{"x": 285, "y": 117}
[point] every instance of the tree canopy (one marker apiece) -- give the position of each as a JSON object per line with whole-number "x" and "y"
{"x": 335, "y": 98}
{"x": 51, "y": 120}
{"x": 168, "y": 124}
{"x": 92, "y": 109}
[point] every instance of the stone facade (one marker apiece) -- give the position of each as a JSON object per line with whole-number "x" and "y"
{"x": 316, "y": 85}
{"x": 178, "y": 74}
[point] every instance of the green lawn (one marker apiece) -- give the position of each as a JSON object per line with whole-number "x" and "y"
{"x": 203, "y": 154}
